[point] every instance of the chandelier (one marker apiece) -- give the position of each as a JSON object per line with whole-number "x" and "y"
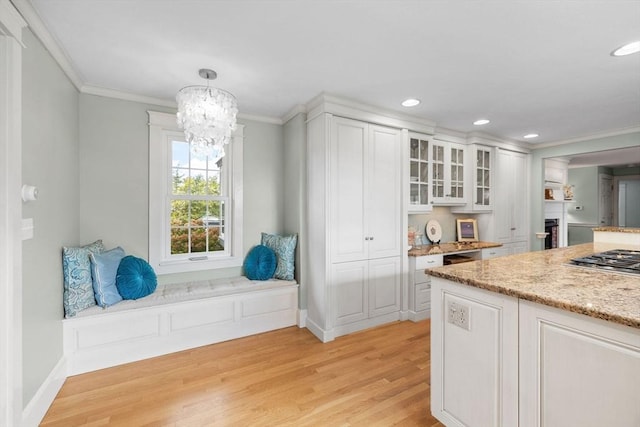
{"x": 207, "y": 115}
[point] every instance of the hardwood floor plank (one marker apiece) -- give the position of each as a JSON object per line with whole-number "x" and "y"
{"x": 377, "y": 377}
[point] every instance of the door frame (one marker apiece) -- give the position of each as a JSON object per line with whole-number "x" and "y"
{"x": 11, "y": 25}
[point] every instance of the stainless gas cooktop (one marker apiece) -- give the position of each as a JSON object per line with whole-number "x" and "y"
{"x": 616, "y": 260}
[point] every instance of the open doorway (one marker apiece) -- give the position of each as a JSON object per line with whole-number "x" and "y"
{"x": 626, "y": 203}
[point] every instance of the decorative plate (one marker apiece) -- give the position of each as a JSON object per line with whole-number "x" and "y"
{"x": 433, "y": 230}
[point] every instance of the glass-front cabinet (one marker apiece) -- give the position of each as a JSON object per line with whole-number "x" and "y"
{"x": 483, "y": 161}
{"x": 419, "y": 146}
{"x": 447, "y": 173}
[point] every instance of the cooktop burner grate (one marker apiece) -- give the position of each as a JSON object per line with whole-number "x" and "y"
{"x": 617, "y": 260}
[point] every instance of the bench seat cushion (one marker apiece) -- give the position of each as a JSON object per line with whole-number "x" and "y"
{"x": 172, "y": 293}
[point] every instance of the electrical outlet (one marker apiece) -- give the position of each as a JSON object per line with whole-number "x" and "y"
{"x": 458, "y": 314}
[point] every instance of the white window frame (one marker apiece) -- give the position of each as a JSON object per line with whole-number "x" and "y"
{"x": 162, "y": 129}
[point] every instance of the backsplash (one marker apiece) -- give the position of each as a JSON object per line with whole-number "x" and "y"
{"x": 443, "y": 215}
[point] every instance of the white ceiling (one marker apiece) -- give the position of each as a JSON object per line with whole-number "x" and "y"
{"x": 529, "y": 66}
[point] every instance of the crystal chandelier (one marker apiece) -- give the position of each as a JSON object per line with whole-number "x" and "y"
{"x": 207, "y": 115}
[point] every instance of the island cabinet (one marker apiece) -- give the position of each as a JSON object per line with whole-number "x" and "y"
{"x": 420, "y": 285}
{"x": 498, "y": 360}
{"x": 576, "y": 370}
{"x": 354, "y": 237}
{"x": 474, "y": 356}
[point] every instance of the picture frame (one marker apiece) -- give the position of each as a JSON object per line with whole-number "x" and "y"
{"x": 467, "y": 230}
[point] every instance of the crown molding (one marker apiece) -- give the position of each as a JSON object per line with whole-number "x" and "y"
{"x": 41, "y": 31}
{"x": 606, "y": 134}
{"x": 127, "y": 96}
{"x": 298, "y": 109}
{"x": 11, "y": 23}
{"x": 259, "y": 118}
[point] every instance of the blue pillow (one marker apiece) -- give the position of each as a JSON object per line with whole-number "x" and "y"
{"x": 285, "y": 249}
{"x": 104, "y": 267}
{"x": 136, "y": 278}
{"x": 78, "y": 287}
{"x": 260, "y": 263}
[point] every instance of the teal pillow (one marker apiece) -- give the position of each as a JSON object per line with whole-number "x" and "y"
{"x": 135, "y": 278}
{"x": 76, "y": 269}
{"x": 285, "y": 249}
{"x": 260, "y": 263}
{"x": 104, "y": 267}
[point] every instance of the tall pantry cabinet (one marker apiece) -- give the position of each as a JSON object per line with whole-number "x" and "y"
{"x": 354, "y": 211}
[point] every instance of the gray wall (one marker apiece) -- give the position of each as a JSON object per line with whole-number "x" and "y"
{"x": 114, "y": 179}
{"x": 50, "y": 162}
{"x": 631, "y": 202}
{"x": 537, "y": 171}
{"x": 585, "y": 194}
{"x": 294, "y": 190}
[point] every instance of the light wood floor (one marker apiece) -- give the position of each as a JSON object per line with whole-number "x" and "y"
{"x": 378, "y": 377}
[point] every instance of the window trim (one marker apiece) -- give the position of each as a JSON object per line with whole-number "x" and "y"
{"x": 161, "y": 127}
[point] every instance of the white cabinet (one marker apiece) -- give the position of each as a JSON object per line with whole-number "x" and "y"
{"x": 419, "y": 186}
{"x": 447, "y": 162}
{"x": 489, "y": 253}
{"x": 511, "y": 204}
{"x": 420, "y": 285}
{"x": 502, "y": 361}
{"x": 365, "y": 191}
{"x": 508, "y": 223}
{"x": 474, "y": 356}
{"x": 354, "y": 228}
{"x": 482, "y": 170}
{"x": 576, "y": 370}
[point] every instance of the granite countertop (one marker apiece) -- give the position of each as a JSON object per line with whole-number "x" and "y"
{"x": 445, "y": 248}
{"x": 618, "y": 229}
{"x": 545, "y": 278}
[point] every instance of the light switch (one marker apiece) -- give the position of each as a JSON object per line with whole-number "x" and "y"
{"x": 27, "y": 228}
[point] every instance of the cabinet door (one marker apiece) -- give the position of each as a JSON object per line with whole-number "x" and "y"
{"x": 503, "y": 201}
{"x": 520, "y": 199}
{"x": 351, "y": 293}
{"x": 576, "y": 370}
{"x": 419, "y": 188}
{"x": 348, "y": 170}
{"x": 384, "y": 192}
{"x": 482, "y": 164}
{"x": 384, "y": 286}
{"x": 447, "y": 173}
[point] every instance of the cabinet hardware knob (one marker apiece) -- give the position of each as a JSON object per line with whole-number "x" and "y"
{"x": 366, "y": 238}
{"x": 513, "y": 228}
{"x": 371, "y": 238}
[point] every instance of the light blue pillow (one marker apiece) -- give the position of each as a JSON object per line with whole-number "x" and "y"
{"x": 285, "y": 249}
{"x": 104, "y": 267}
{"x": 76, "y": 269}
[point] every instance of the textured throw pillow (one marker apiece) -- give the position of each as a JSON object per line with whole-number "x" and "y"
{"x": 285, "y": 249}
{"x": 136, "y": 278}
{"x": 76, "y": 268}
{"x": 260, "y": 263}
{"x": 104, "y": 267}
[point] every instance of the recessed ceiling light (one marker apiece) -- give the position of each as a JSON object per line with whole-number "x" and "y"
{"x": 411, "y": 102}
{"x": 531, "y": 135}
{"x": 627, "y": 49}
{"x": 481, "y": 122}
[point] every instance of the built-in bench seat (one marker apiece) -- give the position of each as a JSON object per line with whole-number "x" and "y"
{"x": 177, "y": 317}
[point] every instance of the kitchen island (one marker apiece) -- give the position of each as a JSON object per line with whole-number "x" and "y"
{"x": 529, "y": 340}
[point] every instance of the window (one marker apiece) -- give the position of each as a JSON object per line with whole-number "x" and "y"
{"x": 195, "y": 204}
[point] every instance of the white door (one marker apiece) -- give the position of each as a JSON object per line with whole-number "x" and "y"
{"x": 605, "y": 204}
{"x": 384, "y": 286}
{"x": 348, "y": 163}
{"x": 350, "y": 292}
{"x": 384, "y": 192}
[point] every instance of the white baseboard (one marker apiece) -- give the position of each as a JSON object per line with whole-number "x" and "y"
{"x": 302, "y": 318}
{"x": 38, "y": 406}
